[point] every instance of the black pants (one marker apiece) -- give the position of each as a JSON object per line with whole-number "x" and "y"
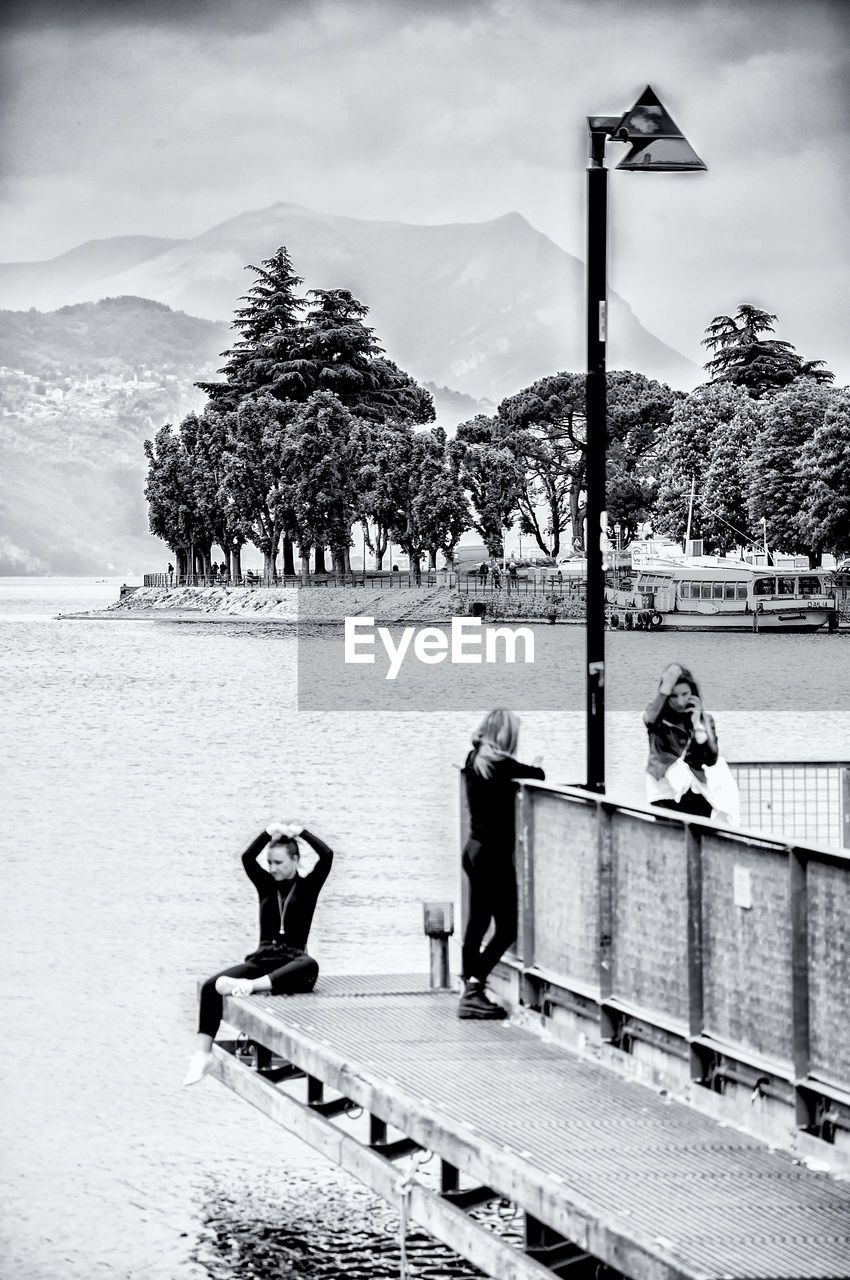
{"x": 291, "y": 972}
{"x": 691, "y": 802}
{"x": 492, "y": 896}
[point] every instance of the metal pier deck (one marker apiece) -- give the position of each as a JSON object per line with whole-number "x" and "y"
{"x": 652, "y": 1188}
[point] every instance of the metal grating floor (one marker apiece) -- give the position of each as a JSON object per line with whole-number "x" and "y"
{"x": 721, "y": 1202}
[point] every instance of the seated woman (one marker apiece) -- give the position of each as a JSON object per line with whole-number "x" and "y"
{"x": 280, "y": 964}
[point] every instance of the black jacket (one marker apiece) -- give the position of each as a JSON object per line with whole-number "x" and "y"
{"x": 287, "y": 906}
{"x": 491, "y": 802}
{"x": 669, "y": 735}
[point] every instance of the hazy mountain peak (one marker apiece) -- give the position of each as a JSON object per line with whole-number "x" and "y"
{"x": 485, "y": 307}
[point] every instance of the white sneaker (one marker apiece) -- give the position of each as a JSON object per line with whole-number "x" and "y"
{"x": 199, "y": 1064}
{"x": 226, "y": 986}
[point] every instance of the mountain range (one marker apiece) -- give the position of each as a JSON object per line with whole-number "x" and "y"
{"x": 102, "y": 344}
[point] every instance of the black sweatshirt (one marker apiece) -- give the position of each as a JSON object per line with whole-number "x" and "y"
{"x": 287, "y": 906}
{"x": 491, "y": 801}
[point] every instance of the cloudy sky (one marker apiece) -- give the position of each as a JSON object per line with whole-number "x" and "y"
{"x": 165, "y": 117}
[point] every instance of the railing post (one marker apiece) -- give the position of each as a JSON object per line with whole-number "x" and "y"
{"x": 696, "y": 988}
{"x": 525, "y": 828}
{"x": 605, "y": 864}
{"x": 798, "y": 889}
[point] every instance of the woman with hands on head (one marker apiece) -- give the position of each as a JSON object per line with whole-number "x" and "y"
{"x": 679, "y": 727}
{"x": 280, "y": 964}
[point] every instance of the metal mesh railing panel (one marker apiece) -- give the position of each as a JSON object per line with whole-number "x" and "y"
{"x": 566, "y": 889}
{"x": 747, "y": 949}
{"x": 650, "y": 917}
{"x": 804, "y": 801}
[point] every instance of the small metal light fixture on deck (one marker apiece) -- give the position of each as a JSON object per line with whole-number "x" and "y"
{"x": 657, "y": 146}
{"x": 438, "y": 921}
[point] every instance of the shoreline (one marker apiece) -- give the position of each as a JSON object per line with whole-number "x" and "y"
{"x": 329, "y": 606}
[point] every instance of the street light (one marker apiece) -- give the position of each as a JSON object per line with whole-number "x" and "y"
{"x": 657, "y": 146}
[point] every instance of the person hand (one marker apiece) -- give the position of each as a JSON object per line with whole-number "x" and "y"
{"x": 293, "y": 828}
{"x": 669, "y": 678}
{"x": 537, "y": 762}
{"x": 277, "y": 830}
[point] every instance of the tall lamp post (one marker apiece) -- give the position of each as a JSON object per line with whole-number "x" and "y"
{"x": 657, "y": 146}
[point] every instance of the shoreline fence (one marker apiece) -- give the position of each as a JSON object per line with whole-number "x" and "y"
{"x": 462, "y": 584}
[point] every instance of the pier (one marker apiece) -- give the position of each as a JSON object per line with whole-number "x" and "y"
{"x": 670, "y": 1099}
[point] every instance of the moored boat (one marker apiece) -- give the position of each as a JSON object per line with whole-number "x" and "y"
{"x": 726, "y": 595}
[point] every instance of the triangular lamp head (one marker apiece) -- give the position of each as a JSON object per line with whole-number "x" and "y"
{"x": 658, "y": 145}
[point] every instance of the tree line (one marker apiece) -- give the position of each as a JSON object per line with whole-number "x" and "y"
{"x": 312, "y": 430}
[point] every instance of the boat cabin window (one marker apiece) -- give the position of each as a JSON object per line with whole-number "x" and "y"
{"x": 717, "y": 590}
{"x": 705, "y": 590}
{"x": 741, "y": 590}
{"x": 684, "y": 590}
{"x": 729, "y": 590}
{"x": 764, "y": 587}
{"x": 810, "y": 587}
{"x": 787, "y": 586}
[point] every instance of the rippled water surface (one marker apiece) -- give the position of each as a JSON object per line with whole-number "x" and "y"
{"x": 139, "y": 758}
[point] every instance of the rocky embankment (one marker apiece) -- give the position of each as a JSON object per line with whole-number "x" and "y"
{"x": 332, "y": 604}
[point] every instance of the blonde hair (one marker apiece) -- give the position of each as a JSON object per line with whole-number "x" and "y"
{"x": 495, "y": 739}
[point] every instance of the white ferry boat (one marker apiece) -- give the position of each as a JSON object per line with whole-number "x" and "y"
{"x": 730, "y": 595}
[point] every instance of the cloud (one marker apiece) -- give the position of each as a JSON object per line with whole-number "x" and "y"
{"x": 169, "y": 118}
{"x": 206, "y": 15}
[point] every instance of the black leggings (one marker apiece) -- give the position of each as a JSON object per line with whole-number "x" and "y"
{"x": 289, "y": 977}
{"x": 492, "y": 896}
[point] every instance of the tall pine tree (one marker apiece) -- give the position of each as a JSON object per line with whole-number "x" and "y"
{"x": 744, "y": 356}
{"x": 344, "y": 357}
{"x": 266, "y": 356}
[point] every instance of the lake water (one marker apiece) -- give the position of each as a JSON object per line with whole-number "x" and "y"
{"x": 138, "y": 760}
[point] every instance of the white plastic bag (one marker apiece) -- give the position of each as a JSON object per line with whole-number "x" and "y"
{"x": 721, "y": 791}
{"x": 680, "y": 777}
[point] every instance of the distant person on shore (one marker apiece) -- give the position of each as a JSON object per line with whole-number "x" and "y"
{"x": 497, "y": 577}
{"x": 488, "y": 855}
{"x": 280, "y": 964}
{"x": 679, "y": 729}
{"x": 483, "y": 570}
{"x": 170, "y": 574}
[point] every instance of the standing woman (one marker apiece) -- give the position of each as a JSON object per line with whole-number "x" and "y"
{"x": 488, "y": 855}
{"x": 280, "y": 964}
{"x": 679, "y": 727}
